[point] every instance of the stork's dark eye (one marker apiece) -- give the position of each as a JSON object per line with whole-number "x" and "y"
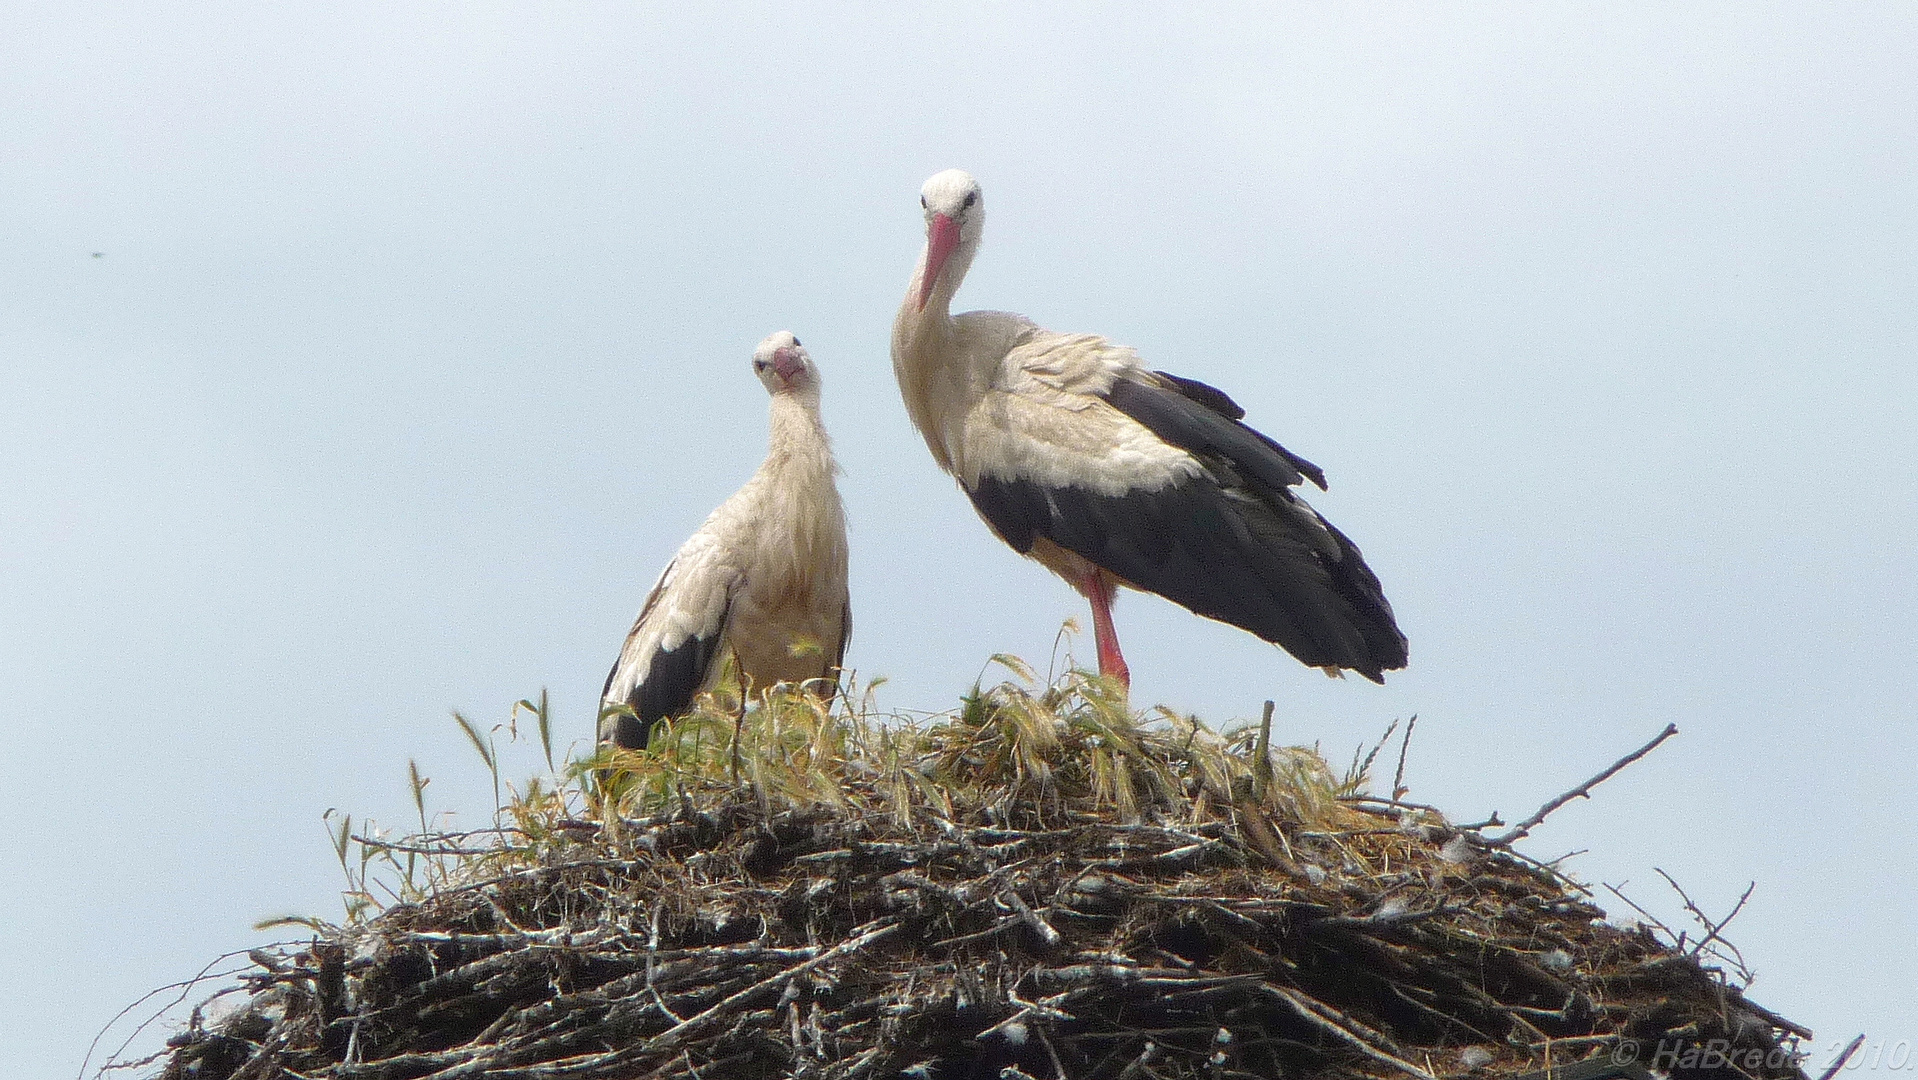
{"x": 760, "y": 365}
{"x": 795, "y": 342}
{"x": 922, "y": 202}
{"x": 971, "y": 197}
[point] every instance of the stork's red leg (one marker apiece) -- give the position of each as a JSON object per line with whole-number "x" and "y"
{"x": 1100, "y": 590}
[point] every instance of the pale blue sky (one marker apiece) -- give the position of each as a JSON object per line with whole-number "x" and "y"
{"x": 419, "y": 340}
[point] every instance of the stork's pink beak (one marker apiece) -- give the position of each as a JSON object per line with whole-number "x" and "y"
{"x": 942, "y": 237}
{"x": 786, "y": 363}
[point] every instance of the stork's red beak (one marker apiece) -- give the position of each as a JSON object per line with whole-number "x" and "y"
{"x": 787, "y": 364}
{"x": 941, "y": 238}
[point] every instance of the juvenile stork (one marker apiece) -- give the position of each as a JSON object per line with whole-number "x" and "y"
{"x": 1109, "y": 473}
{"x": 763, "y": 580}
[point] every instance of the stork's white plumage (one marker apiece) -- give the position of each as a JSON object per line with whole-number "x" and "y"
{"x": 1110, "y": 473}
{"x": 763, "y": 580}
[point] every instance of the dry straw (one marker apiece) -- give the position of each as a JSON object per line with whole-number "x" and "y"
{"x": 1041, "y": 884}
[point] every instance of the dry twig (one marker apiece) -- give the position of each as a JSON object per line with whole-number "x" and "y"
{"x": 1582, "y": 791}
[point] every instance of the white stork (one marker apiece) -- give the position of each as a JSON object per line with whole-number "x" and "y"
{"x": 763, "y": 580}
{"x": 1109, "y": 473}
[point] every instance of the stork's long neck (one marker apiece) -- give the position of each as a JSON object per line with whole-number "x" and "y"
{"x": 797, "y": 485}
{"x": 923, "y": 353}
{"x": 798, "y": 442}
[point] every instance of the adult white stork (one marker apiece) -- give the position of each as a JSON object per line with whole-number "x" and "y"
{"x": 1109, "y": 473}
{"x": 763, "y": 580}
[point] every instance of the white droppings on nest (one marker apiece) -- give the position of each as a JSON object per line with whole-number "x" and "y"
{"x": 272, "y": 1010}
{"x": 365, "y": 948}
{"x": 218, "y": 1011}
{"x": 1314, "y": 873}
{"x": 1390, "y": 909}
{"x": 1221, "y": 1050}
{"x": 1474, "y": 1058}
{"x": 1557, "y": 960}
{"x": 1458, "y": 850}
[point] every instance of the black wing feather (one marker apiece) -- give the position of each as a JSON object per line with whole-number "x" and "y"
{"x": 1209, "y": 396}
{"x": 673, "y": 678}
{"x": 1203, "y": 420}
{"x": 1232, "y": 544}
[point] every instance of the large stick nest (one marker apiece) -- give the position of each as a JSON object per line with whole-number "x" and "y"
{"x": 1037, "y": 887}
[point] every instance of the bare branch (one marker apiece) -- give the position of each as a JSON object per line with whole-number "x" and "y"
{"x": 1582, "y": 791}
{"x": 1321, "y": 1015}
{"x": 1670, "y": 934}
{"x": 1839, "y": 1063}
{"x": 1712, "y": 928}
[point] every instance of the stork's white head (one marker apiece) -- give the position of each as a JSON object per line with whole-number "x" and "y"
{"x": 955, "y": 218}
{"x": 784, "y": 365}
